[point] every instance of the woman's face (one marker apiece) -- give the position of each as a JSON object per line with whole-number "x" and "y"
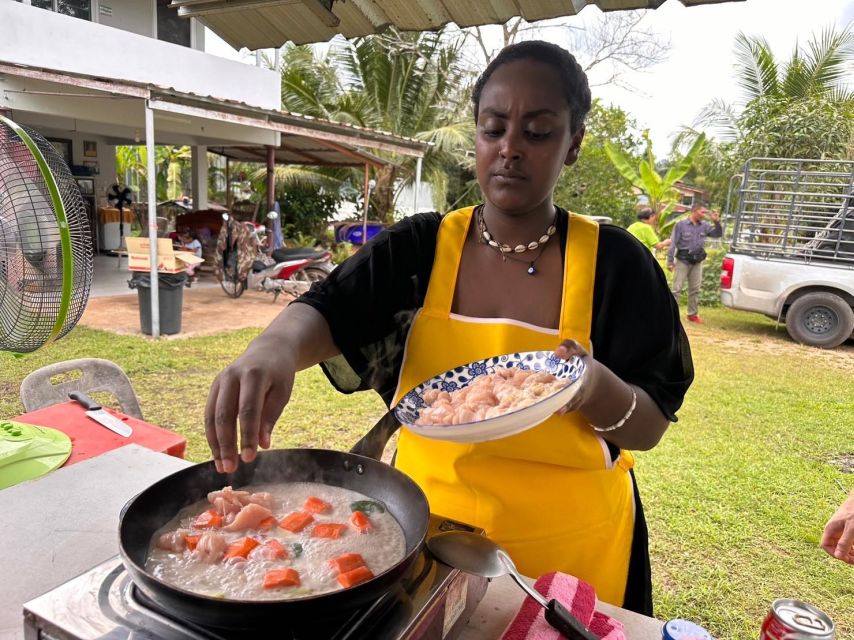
{"x": 523, "y": 138}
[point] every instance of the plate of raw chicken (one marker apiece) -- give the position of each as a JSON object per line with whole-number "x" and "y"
{"x": 491, "y": 398}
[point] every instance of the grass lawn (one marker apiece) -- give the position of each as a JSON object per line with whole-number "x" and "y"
{"x": 736, "y": 494}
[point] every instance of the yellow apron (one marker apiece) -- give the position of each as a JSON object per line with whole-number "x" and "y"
{"x": 550, "y": 495}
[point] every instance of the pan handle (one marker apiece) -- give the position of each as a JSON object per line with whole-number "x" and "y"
{"x": 374, "y": 441}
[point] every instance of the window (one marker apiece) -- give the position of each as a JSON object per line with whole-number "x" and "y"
{"x": 171, "y": 28}
{"x": 74, "y": 8}
{"x": 688, "y": 199}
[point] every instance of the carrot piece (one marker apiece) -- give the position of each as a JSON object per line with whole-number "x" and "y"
{"x": 241, "y": 548}
{"x": 355, "y": 576}
{"x": 276, "y": 550}
{"x": 210, "y": 519}
{"x": 360, "y": 522}
{"x": 281, "y": 578}
{"x": 347, "y": 562}
{"x": 266, "y": 524}
{"x": 296, "y": 521}
{"x": 328, "y": 530}
{"x": 192, "y": 541}
{"x": 316, "y": 505}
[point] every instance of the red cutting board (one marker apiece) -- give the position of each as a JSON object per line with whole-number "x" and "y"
{"x": 89, "y": 439}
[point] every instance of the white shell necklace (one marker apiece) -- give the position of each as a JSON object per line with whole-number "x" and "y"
{"x": 506, "y": 250}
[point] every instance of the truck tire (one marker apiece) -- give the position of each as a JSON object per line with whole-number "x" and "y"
{"x": 820, "y": 319}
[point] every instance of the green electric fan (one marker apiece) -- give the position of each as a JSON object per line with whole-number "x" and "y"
{"x": 45, "y": 275}
{"x": 45, "y": 246}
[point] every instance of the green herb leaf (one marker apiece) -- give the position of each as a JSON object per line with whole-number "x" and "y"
{"x": 367, "y": 506}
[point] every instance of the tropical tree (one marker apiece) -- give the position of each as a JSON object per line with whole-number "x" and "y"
{"x": 409, "y": 84}
{"x": 797, "y": 108}
{"x": 171, "y": 166}
{"x": 594, "y": 185}
{"x": 659, "y": 189}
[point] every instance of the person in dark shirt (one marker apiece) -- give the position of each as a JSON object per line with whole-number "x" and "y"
{"x": 687, "y": 252}
{"x": 515, "y": 273}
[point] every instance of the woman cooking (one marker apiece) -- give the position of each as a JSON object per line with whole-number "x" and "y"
{"x": 434, "y": 292}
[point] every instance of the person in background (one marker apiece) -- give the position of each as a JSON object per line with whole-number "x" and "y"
{"x": 687, "y": 252}
{"x": 644, "y": 230}
{"x": 838, "y": 538}
{"x": 191, "y": 244}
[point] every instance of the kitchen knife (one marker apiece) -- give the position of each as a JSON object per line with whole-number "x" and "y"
{"x": 99, "y": 415}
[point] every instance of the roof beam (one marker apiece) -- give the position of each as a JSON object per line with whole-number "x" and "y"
{"x": 350, "y": 153}
{"x": 319, "y": 9}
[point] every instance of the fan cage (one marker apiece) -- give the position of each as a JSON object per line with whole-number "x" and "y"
{"x": 37, "y": 303}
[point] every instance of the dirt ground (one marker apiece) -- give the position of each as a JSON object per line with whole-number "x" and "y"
{"x": 206, "y": 310}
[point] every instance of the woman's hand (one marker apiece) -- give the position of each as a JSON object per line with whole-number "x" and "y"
{"x": 604, "y": 399}
{"x": 253, "y": 390}
{"x": 838, "y": 538}
{"x": 587, "y": 383}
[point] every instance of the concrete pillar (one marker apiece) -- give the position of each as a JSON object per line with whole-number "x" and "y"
{"x": 151, "y": 179}
{"x": 271, "y": 179}
{"x": 199, "y": 159}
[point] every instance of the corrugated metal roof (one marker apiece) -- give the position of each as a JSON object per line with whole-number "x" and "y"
{"x": 300, "y": 132}
{"x": 262, "y": 24}
{"x": 300, "y": 150}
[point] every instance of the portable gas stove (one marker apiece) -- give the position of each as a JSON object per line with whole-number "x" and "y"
{"x": 433, "y": 603}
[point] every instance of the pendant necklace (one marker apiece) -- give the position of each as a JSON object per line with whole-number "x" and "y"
{"x": 507, "y": 251}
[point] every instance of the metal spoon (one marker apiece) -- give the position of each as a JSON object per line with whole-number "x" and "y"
{"x": 476, "y": 554}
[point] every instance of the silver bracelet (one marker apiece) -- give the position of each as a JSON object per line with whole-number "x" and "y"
{"x": 622, "y": 420}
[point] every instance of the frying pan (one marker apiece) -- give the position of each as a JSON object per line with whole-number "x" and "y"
{"x": 144, "y": 514}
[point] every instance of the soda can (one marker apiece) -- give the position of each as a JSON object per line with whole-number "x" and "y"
{"x": 677, "y": 629}
{"x": 796, "y": 620}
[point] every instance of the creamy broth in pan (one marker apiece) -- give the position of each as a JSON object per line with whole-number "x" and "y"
{"x": 235, "y": 542}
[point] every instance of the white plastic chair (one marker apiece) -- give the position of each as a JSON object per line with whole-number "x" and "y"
{"x": 38, "y": 391}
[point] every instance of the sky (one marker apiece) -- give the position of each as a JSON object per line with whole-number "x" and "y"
{"x": 701, "y": 58}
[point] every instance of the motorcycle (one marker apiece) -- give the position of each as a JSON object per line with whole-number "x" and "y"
{"x": 290, "y": 271}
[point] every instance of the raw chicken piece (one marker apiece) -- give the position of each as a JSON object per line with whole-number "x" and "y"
{"x": 211, "y": 547}
{"x": 262, "y": 497}
{"x": 227, "y": 500}
{"x": 249, "y": 517}
{"x": 507, "y": 389}
{"x": 173, "y": 541}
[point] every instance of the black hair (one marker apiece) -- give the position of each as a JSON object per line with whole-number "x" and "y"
{"x": 645, "y": 214}
{"x": 573, "y": 80}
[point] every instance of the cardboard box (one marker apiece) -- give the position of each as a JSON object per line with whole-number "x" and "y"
{"x": 168, "y": 260}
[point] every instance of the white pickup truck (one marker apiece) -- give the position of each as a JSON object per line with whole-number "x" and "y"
{"x": 791, "y": 255}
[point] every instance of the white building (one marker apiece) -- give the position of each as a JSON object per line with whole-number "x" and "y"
{"x": 93, "y": 74}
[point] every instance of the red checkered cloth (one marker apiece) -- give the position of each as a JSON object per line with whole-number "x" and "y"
{"x": 574, "y": 594}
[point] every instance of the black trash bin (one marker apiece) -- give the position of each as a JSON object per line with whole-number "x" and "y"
{"x": 170, "y": 300}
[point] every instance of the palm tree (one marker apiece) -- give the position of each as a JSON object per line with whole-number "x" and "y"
{"x": 171, "y": 165}
{"x": 409, "y": 84}
{"x": 659, "y": 189}
{"x": 800, "y": 107}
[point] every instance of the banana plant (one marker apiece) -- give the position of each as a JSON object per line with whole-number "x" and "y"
{"x": 660, "y": 190}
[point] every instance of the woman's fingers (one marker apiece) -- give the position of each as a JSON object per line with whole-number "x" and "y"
{"x": 225, "y": 420}
{"x": 253, "y": 391}
{"x": 569, "y": 348}
{"x": 252, "y": 395}
{"x": 274, "y": 403}
{"x": 564, "y": 351}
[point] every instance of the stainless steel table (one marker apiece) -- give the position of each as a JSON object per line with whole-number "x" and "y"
{"x": 66, "y": 522}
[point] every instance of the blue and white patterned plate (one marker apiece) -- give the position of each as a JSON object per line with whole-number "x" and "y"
{"x": 408, "y": 410}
